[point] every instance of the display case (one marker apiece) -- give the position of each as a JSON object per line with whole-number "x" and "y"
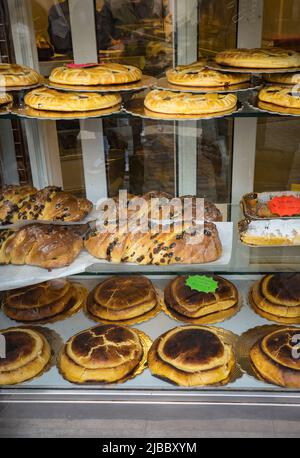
{"x": 239, "y": 162}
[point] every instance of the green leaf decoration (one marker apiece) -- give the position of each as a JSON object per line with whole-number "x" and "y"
{"x": 202, "y": 283}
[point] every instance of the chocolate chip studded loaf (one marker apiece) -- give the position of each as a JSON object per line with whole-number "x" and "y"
{"x": 40, "y": 245}
{"x": 163, "y": 247}
{"x": 23, "y": 203}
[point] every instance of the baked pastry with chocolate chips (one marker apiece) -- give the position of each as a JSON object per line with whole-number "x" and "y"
{"x": 273, "y": 359}
{"x": 191, "y": 356}
{"x": 40, "y": 245}
{"x": 27, "y": 355}
{"x": 103, "y": 354}
{"x": 174, "y": 245}
{"x": 25, "y": 203}
{"x": 48, "y": 300}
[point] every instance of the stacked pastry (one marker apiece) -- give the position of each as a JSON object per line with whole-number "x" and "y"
{"x": 106, "y": 353}
{"x": 40, "y": 245}
{"x": 259, "y": 58}
{"x": 28, "y": 354}
{"x": 5, "y": 99}
{"x": 275, "y": 358}
{"x": 277, "y": 297}
{"x": 127, "y": 299}
{"x": 191, "y": 356}
{"x": 13, "y": 75}
{"x": 50, "y": 300}
{"x": 25, "y": 203}
{"x": 187, "y": 304}
{"x": 280, "y": 98}
{"x": 185, "y": 103}
{"x": 173, "y": 245}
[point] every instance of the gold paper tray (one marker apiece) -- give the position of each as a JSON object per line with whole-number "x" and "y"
{"x": 227, "y": 68}
{"x": 265, "y": 107}
{"x": 136, "y": 107}
{"x": 253, "y": 216}
{"x": 163, "y": 83}
{"x": 144, "y": 83}
{"x": 31, "y": 113}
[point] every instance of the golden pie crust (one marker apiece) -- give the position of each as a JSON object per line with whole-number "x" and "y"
{"x": 259, "y": 58}
{"x": 186, "y": 103}
{"x": 50, "y": 99}
{"x": 197, "y": 75}
{"x": 27, "y": 355}
{"x": 283, "y": 78}
{"x": 99, "y": 74}
{"x": 5, "y": 98}
{"x": 17, "y": 75}
{"x": 282, "y": 96}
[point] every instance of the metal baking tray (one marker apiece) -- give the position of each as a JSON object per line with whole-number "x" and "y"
{"x": 227, "y": 68}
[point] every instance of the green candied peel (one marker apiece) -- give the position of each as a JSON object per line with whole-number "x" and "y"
{"x": 202, "y": 283}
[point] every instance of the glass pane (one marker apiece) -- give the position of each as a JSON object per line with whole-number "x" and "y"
{"x": 52, "y": 29}
{"x": 277, "y": 165}
{"x": 281, "y": 23}
{"x": 137, "y": 32}
{"x": 217, "y": 25}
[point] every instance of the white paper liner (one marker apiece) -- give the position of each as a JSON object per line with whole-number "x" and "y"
{"x": 14, "y": 276}
{"x": 164, "y": 84}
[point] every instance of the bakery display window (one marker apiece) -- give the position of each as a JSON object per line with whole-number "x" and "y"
{"x": 149, "y": 205}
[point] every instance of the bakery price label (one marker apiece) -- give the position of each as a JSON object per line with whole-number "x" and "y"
{"x": 202, "y": 283}
{"x": 285, "y": 205}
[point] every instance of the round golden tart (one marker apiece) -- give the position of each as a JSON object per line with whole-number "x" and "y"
{"x": 191, "y": 304}
{"x": 185, "y": 103}
{"x": 259, "y": 58}
{"x": 52, "y": 100}
{"x": 106, "y": 353}
{"x": 46, "y": 300}
{"x": 282, "y": 96}
{"x": 191, "y": 356}
{"x": 120, "y": 298}
{"x": 278, "y": 296}
{"x": 198, "y": 75}
{"x": 27, "y": 355}
{"x": 275, "y": 359}
{"x": 17, "y": 75}
{"x": 5, "y": 98}
{"x": 105, "y": 74}
{"x": 283, "y": 78}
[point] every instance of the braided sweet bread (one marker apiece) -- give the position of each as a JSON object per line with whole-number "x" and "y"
{"x": 173, "y": 246}
{"x": 40, "y": 245}
{"x": 25, "y": 203}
